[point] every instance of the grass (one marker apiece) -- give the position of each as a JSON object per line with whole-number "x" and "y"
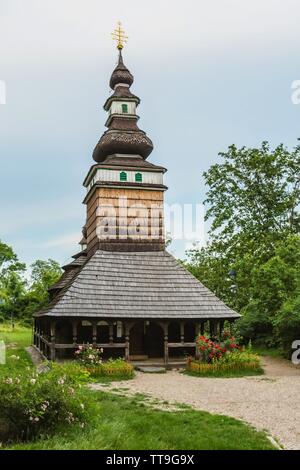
{"x": 15, "y": 340}
{"x": 120, "y": 424}
{"x": 128, "y": 423}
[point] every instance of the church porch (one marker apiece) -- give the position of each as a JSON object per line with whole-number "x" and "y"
{"x": 139, "y": 341}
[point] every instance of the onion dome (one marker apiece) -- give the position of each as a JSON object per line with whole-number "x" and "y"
{"x": 121, "y": 74}
{"x": 123, "y": 135}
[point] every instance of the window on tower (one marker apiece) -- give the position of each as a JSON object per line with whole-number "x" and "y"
{"x": 138, "y": 177}
{"x": 123, "y": 176}
{"x": 124, "y": 108}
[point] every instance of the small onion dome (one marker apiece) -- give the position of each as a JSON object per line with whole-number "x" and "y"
{"x": 121, "y": 74}
{"x": 130, "y": 143}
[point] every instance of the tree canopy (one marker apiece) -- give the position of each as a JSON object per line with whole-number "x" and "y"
{"x": 21, "y": 296}
{"x": 252, "y": 258}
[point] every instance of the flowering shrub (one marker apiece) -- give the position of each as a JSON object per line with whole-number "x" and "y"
{"x": 211, "y": 351}
{"x": 34, "y": 404}
{"x": 89, "y": 355}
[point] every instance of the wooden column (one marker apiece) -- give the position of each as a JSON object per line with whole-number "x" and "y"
{"x": 111, "y": 333}
{"x": 198, "y": 331}
{"x": 166, "y": 347}
{"x": 52, "y": 336}
{"x": 94, "y": 333}
{"x": 127, "y": 341}
{"x": 74, "y": 331}
{"x": 202, "y": 327}
{"x": 182, "y": 331}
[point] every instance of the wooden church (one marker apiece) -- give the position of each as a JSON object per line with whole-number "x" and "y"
{"x": 123, "y": 291}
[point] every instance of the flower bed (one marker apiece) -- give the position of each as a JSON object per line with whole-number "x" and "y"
{"x": 111, "y": 368}
{"x": 235, "y": 362}
{"x": 90, "y": 357}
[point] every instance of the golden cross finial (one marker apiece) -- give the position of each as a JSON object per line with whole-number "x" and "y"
{"x": 119, "y": 36}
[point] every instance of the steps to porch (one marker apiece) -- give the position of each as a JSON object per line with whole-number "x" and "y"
{"x": 157, "y": 363}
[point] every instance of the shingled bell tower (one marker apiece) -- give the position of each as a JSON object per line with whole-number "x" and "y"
{"x": 124, "y": 192}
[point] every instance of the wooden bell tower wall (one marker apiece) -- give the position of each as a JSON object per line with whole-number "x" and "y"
{"x": 125, "y": 219}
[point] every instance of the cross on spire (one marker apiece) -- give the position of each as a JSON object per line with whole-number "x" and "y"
{"x": 119, "y": 36}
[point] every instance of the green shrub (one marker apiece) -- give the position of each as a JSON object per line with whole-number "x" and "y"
{"x": 34, "y": 405}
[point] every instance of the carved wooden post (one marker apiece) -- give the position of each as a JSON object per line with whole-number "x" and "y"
{"x": 166, "y": 340}
{"x": 126, "y": 342}
{"x": 74, "y": 332}
{"x": 198, "y": 329}
{"x": 52, "y": 336}
{"x": 111, "y": 333}
{"x": 182, "y": 332}
{"x": 94, "y": 333}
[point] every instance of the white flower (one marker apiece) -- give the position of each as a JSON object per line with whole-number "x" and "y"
{"x": 82, "y": 425}
{"x": 82, "y": 405}
{"x": 15, "y": 357}
{"x": 36, "y": 419}
{"x": 32, "y": 381}
{"x": 8, "y": 381}
{"x": 60, "y": 381}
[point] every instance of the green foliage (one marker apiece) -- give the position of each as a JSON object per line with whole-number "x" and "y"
{"x": 252, "y": 261}
{"x": 20, "y": 297}
{"x": 35, "y": 405}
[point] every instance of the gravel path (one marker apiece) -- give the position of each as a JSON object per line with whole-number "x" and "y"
{"x": 269, "y": 402}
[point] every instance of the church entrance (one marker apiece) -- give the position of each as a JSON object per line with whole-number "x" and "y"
{"x": 146, "y": 341}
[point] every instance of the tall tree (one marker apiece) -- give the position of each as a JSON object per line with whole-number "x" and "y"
{"x": 253, "y": 204}
{"x": 253, "y": 197}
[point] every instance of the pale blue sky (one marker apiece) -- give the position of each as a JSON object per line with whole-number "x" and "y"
{"x": 209, "y": 72}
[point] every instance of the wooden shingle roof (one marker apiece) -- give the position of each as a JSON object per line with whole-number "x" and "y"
{"x": 136, "y": 285}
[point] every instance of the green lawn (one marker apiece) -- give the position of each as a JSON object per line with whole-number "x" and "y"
{"x": 126, "y": 424}
{"x": 119, "y": 423}
{"x": 15, "y": 340}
